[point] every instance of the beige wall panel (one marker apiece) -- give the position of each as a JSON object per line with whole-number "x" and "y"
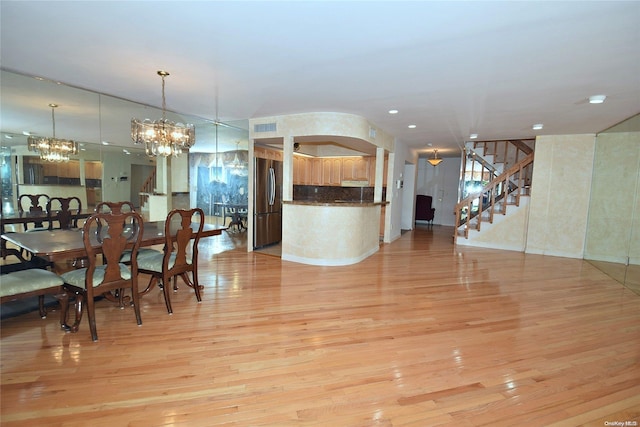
{"x": 329, "y": 235}
{"x": 560, "y": 195}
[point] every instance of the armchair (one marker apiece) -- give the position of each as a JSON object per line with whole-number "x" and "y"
{"x": 424, "y": 211}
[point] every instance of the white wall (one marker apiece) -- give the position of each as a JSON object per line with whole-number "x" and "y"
{"x": 115, "y": 166}
{"x": 397, "y": 196}
{"x": 440, "y": 182}
{"x": 180, "y": 174}
{"x": 408, "y": 203}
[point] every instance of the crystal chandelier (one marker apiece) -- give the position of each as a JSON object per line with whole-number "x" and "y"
{"x": 235, "y": 164}
{"x": 435, "y": 161}
{"x": 52, "y": 149}
{"x": 163, "y": 137}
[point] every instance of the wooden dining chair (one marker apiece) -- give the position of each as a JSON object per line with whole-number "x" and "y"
{"x": 33, "y": 204}
{"x": 115, "y": 207}
{"x": 109, "y": 234}
{"x": 6, "y": 251}
{"x": 124, "y": 206}
{"x": 183, "y": 229}
{"x": 65, "y": 210}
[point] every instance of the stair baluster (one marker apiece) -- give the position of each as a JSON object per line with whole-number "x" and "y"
{"x": 498, "y": 190}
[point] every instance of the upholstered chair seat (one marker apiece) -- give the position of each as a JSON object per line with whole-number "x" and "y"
{"x": 32, "y": 282}
{"x": 77, "y": 277}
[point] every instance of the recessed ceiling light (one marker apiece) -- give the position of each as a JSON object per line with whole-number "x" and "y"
{"x": 597, "y": 99}
{"x": 473, "y": 136}
{"x": 8, "y": 136}
{"x": 393, "y": 111}
{"x": 412, "y": 126}
{"x": 105, "y": 143}
{"x": 26, "y": 133}
{"x": 537, "y": 126}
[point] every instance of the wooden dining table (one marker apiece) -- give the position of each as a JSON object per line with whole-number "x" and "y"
{"x": 24, "y": 218}
{"x": 62, "y": 245}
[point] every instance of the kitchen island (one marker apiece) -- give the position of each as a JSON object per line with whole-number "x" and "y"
{"x": 339, "y": 232}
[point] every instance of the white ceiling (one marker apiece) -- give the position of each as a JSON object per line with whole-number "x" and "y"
{"x": 450, "y": 68}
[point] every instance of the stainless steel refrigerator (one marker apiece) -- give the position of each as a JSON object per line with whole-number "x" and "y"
{"x": 267, "y": 206}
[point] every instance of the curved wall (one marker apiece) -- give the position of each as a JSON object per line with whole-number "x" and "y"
{"x": 329, "y": 234}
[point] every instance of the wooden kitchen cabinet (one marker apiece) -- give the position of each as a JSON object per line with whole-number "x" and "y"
{"x": 332, "y": 171}
{"x": 50, "y": 169}
{"x": 355, "y": 168}
{"x": 70, "y": 169}
{"x": 265, "y": 153}
{"x": 260, "y": 152}
{"x": 301, "y": 170}
{"x": 93, "y": 170}
{"x": 63, "y": 170}
{"x": 316, "y": 171}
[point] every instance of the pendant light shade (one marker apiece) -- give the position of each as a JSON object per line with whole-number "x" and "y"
{"x": 435, "y": 161}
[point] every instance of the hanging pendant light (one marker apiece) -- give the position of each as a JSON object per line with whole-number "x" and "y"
{"x": 52, "y": 149}
{"x": 435, "y": 161}
{"x": 163, "y": 137}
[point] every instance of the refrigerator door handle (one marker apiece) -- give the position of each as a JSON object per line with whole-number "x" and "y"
{"x": 272, "y": 186}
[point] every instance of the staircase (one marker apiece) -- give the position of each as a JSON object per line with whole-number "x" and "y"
{"x": 146, "y": 190}
{"x": 497, "y": 174}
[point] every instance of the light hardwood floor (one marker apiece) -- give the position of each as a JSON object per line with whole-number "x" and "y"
{"x": 422, "y": 333}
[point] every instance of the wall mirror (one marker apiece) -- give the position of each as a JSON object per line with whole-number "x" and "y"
{"x": 109, "y": 166}
{"x": 613, "y": 229}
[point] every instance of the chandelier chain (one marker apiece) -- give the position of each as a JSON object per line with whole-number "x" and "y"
{"x": 53, "y": 120}
{"x": 164, "y": 101}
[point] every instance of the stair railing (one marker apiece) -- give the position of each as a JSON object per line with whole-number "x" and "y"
{"x": 147, "y": 188}
{"x": 494, "y": 196}
{"x": 501, "y": 148}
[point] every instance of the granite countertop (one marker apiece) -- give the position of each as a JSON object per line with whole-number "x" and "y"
{"x": 356, "y": 203}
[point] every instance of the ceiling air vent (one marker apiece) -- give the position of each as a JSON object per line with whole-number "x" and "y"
{"x": 264, "y": 127}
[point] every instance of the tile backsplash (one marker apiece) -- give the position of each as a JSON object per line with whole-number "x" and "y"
{"x": 321, "y": 193}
